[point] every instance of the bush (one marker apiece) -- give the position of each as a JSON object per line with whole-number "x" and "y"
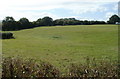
{"x": 28, "y": 68}
{"x": 94, "y": 69}
{"x": 6, "y": 35}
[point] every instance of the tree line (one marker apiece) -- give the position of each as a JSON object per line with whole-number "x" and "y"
{"x": 9, "y": 23}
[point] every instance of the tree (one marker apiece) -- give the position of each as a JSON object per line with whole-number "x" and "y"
{"x": 39, "y": 22}
{"x": 113, "y": 19}
{"x": 24, "y": 23}
{"x": 67, "y": 21}
{"x": 9, "y": 19}
{"x": 47, "y": 21}
{"x": 9, "y": 24}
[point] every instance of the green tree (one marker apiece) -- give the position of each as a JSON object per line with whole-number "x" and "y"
{"x": 9, "y": 19}
{"x": 24, "y": 23}
{"x": 113, "y": 19}
{"x": 9, "y": 23}
{"x": 39, "y": 22}
{"x": 47, "y": 21}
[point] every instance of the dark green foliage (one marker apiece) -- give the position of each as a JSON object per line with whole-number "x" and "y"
{"x": 47, "y": 21}
{"x": 9, "y": 24}
{"x": 6, "y": 35}
{"x": 38, "y": 22}
{"x": 113, "y": 19}
{"x": 67, "y": 21}
{"x": 24, "y": 23}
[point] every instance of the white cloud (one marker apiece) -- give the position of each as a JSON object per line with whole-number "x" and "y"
{"x": 115, "y": 7}
{"x": 23, "y": 8}
{"x": 109, "y": 14}
{"x": 33, "y": 16}
{"x": 83, "y": 8}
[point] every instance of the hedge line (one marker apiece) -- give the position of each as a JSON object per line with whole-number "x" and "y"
{"x": 15, "y": 68}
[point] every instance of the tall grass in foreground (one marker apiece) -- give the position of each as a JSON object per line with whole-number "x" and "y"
{"x": 29, "y": 68}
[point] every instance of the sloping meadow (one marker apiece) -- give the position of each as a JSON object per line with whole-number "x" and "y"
{"x": 72, "y": 51}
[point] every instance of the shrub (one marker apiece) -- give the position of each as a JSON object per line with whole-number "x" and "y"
{"x": 6, "y": 35}
{"x": 94, "y": 69}
{"x": 29, "y": 68}
{"x": 19, "y": 68}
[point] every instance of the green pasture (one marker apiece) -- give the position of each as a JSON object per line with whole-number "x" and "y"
{"x": 62, "y": 45}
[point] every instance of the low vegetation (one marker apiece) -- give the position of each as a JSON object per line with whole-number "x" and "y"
{"x": 6, "y": 35}
{"x": 15, "y": 67}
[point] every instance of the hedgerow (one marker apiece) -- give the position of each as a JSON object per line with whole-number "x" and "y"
{"x": 15, "y": 67}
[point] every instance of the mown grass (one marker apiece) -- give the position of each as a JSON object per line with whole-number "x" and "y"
{"x": 63, "y": 45}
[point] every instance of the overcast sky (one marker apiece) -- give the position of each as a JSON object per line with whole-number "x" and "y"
{"x": 79, "y": 9}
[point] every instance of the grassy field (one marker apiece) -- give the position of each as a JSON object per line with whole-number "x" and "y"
{"x": 62, "y": 45}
